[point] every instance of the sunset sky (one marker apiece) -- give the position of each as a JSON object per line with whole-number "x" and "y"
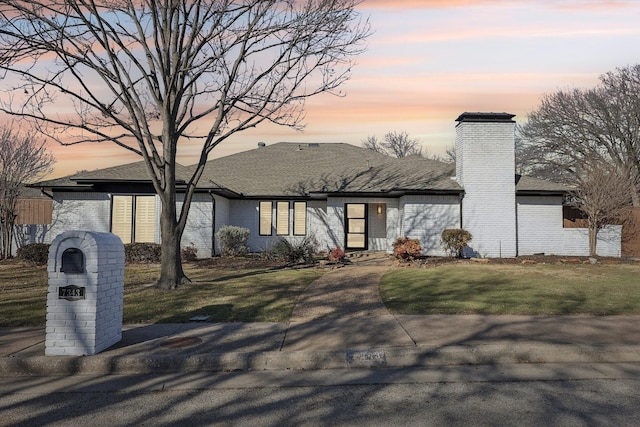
{"x": 430, "y": 60}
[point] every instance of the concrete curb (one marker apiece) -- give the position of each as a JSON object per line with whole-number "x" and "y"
{"x": 396, "y": 357}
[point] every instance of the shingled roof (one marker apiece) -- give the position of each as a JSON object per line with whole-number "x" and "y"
{"x": 127, "y": 173}
{"x": 289, "y": 169}
{"x": 305, "y": 170}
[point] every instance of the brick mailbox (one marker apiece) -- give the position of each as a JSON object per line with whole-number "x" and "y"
{"x": 85, "y": 297}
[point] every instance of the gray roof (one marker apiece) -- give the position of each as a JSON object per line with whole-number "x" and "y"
{"x": 303, "y": 170}
{"x": 130, "y": 172}
{"x": 290, "y": 169}
{"x": 527, "y": 184}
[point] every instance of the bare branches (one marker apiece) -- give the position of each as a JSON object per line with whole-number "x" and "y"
{"x": 148, "y": 74}
{"x": 23, "y": 159}
{"x": 573, "y": 126}
{"x": 603, "y": 194}
{"x": 396, "y": 144}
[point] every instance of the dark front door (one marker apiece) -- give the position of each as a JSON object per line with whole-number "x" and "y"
{"x": 356, "y": 226}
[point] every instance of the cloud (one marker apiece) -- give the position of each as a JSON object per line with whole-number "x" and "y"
{"x": 449, "y": 4}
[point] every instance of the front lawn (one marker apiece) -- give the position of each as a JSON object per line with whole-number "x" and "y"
{"x": 513, "y": 289}
{"x": 226, "y": 294}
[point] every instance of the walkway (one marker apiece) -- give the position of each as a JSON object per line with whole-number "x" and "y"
{"x": 343, "y": 309}
{"x": 350, "y": 291}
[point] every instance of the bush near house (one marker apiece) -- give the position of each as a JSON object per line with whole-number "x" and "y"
{"x": 232, "y": 240}
{"x": 34, "y": 253}
{"x": 407, "y": 249}
{"x": 303, "y": 250}
{"x": 336, "y": 255}
{"x": 454, "y": 240}
{"x": 142, "y": 253}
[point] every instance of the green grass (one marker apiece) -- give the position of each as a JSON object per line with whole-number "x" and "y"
{"x": 513, "y": 289}
{"x": 242, "y": 295}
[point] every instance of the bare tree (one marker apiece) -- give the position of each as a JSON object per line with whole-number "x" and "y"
{"x": 603, "y": 195}
{"x": 396, "y": 144}
{"x": 151, "y": 75}
{"x": 574, "y": 126}
{"x": 23, "y": 159}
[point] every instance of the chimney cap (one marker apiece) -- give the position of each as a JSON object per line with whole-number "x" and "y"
{"x": 486, "y": 117}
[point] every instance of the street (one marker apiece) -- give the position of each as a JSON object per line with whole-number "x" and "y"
{"x": 590, "y": 394}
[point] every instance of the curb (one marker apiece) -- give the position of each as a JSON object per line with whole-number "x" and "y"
{"x": 396, "y": 357}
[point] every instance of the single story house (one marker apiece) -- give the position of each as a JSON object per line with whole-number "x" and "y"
{"x": 345, "y": 196}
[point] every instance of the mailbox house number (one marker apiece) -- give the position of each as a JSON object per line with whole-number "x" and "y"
{"x": 72, "y": 293}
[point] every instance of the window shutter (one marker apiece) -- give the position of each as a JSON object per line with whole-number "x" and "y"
{"x": 282, "y": 218}
{"x": 299, "y": 218}
{"x": 121, "y": 213}
{"x": 145, "y": 224}
{"x": 265, "y": 218}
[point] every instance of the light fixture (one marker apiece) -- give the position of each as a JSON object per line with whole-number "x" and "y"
{"x": 379, "y": 209}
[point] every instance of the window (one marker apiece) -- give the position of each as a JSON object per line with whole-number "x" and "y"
{"x": 573, "y": 217}
{"x": 133, "y": 218}
{"x": 282, "y": 218}
{"x": 265, "y": 218}
{"x": 299, "y": 218}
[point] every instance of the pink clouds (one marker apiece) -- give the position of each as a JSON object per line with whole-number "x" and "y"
{"x": 428, "y": 61}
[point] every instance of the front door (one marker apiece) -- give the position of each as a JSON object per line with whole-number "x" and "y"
{"x": 356, "y": 226}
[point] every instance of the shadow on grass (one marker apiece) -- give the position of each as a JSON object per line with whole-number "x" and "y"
{"x": 213, "y": 313}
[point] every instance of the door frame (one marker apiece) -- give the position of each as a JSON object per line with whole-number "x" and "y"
{"x": 366, "y": 226}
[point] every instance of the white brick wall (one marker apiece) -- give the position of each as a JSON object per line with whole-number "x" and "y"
{"x": 425, "y": 217}
{"x": 198, "y": 231}
{"x": 486, "y": 170}
{"x": 540, "y": 225}
{"x": 540, "y": 230}
{"x": 576, "y": 241}
{"x": 87, "y": 326}
{"x": 79, "y": 211}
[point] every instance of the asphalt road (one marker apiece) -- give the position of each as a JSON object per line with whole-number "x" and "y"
{"x": 603, "y": 394}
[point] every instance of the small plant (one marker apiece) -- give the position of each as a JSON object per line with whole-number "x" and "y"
{"x": 189, "y": 253}
{"x": 296, "y": 251}
{"x": 142, "y": 253}
{"x": 232, "y": 240}
{"x": 454, "y": 240}
{"x": 336, "y": 255}
{"x": 407, "y": 249}
{"x": 34, "y": 253}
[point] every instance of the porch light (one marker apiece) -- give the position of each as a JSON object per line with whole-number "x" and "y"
{"x": 379, "y": 209}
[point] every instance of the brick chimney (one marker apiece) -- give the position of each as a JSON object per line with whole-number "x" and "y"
{"x": 485, "y": 168}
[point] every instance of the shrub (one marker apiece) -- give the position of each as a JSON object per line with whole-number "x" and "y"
{"x": 406, "y": 249}
{"x": 142, "y": 253}
{"x": 454, "y": 240}
{"x": 232, "y": 240}
{"x": 336, "y": 255}
{"x": 189, "y": 253}
{"x": 296, "y": 251}
{"x": 34, "y": 253}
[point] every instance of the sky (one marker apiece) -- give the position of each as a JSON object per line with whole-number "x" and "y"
{"x": 428, "y": 61}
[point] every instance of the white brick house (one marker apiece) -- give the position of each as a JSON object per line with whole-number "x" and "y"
{"x": 345, "y": 196}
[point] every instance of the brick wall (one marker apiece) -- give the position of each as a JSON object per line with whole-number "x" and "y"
{"x": 425, "y": 217}
{"x": 90, "y": 325}
{"x": 485, "y": 167}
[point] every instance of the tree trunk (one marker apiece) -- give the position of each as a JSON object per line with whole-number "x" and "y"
{"x": 171, "y": 272}
{"x": 635, "y": 198}
{"x": 593, "y": 240}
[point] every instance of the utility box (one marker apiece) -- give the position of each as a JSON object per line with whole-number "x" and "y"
{"x": 86, "y": 293}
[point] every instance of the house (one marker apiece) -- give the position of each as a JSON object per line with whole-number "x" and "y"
{"x": 345, "y": 196}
